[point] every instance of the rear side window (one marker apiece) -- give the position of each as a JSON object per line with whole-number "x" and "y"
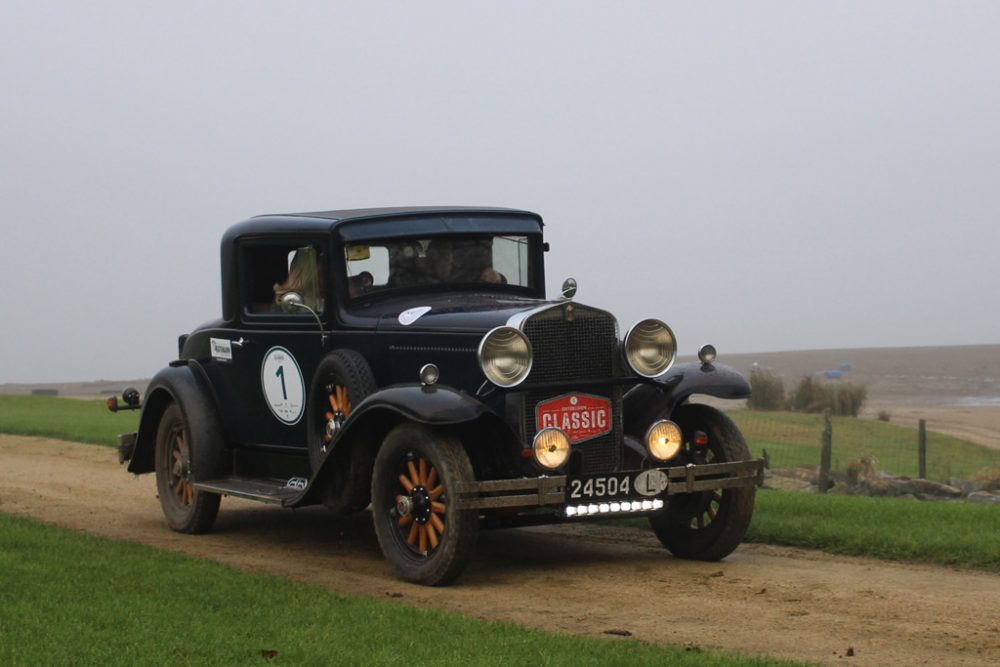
{"x": 272, "y": 270}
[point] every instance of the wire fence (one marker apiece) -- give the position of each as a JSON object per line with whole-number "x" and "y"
{"x": 790, "y": 440}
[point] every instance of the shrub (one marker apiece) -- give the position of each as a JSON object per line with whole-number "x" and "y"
{"x": 768, "y": 391}
{"x": 809, "y": 396}
{"x": 844, "y": 399}
{"x": 848, "y": 399}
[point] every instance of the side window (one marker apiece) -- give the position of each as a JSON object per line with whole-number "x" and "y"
{"x": 271, "y": 271}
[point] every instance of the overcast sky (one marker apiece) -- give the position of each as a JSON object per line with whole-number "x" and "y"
{"x": 764, "y": 176}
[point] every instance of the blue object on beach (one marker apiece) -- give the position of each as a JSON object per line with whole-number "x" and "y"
{"x": 833, "y": 375}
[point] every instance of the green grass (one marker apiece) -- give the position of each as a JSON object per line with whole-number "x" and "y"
{"x": 887, "y": 528}
{"x": 65, "y": 418}
{"x": 72, "y": 599}
{"x": 793, "y": 439}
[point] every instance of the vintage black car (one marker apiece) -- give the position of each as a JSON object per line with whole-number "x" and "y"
{"x": 408, "y": 359}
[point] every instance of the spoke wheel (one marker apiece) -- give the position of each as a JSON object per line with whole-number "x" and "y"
{"x": 421, "y": 505}
{"x": 342, "y": 380}
{"x": 707, "y": 525}
{"x": 423, "y": 535}
{"x": 186, "y": 509}
{"x": 339, "y": 399}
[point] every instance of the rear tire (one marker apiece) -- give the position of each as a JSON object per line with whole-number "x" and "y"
{"x": 188, "y": 510}
{"x": 708, "y": 525}
{"x": 414, "y": 493}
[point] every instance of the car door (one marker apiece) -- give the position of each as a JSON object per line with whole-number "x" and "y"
{"x": 274, "y": 351}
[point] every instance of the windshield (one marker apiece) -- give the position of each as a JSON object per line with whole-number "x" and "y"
{"x": 480, "y": 260}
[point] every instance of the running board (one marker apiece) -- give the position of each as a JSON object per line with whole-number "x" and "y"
{"x": 278, "y": 492}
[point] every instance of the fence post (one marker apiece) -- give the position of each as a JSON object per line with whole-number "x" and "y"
{"x": 826, "y": 453}
{"x": 922, "y": 448}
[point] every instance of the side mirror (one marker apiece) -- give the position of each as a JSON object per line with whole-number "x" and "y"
{"x": 290, "y": 302}
{"x": 568, "y": 289}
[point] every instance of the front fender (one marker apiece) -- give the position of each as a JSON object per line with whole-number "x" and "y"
{"x": 373, "y": 418}
{"x": 184, "y": 384}
{"x": 657, "y": 399}
{"x": 427, "y": 405}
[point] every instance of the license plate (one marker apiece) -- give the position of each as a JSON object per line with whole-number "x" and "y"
{"x": 634, "y": 485}
{"x": 580, "y": 416}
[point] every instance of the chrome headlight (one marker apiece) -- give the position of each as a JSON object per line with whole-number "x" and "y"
{"x": 650, "y": 347}
{"x": 505, "y": 356}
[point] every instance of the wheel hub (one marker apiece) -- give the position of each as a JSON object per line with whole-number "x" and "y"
{"x": 420, "y": 504}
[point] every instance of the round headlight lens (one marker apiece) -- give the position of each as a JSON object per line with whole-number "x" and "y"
{"x": 664, "y": 440}
{"x": 505, "y": 356}
{"x": 650, "y": 347}
{"x": 551, "y": 448}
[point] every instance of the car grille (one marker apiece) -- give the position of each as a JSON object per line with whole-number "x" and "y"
{"x": 566, "y": 353}
{"x": 585, "y": 348}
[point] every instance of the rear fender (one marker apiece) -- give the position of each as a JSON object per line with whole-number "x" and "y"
{"x": 185, "y": 384}
{"x": 657, "y": 400}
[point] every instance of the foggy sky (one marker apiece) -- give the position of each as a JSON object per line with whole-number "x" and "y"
{"x": 764, "y": 176}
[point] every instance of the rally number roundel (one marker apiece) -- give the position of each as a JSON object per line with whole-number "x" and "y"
{"x": 284, "y": 389}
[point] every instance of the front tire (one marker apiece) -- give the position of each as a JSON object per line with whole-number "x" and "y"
{"x": 187, "y": 509}
{"x": 414, "y": 492}
{"x": 708, "y": 525}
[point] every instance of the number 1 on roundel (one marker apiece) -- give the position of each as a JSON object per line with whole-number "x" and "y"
{"x": 280, "y": 373}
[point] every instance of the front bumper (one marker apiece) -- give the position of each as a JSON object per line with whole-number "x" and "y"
{"x": 552, "y": 491}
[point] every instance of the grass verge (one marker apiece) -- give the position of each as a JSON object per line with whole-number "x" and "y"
{"x": 887, "y": 528}
{"x": 64, "y": 418}
{"x": 74, "y": 599}
{"x": 793, "y": 439}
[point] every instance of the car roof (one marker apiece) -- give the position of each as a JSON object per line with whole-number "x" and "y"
{"x": 326, "y": 221}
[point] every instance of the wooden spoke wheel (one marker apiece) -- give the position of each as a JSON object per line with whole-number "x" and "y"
{"x": 707, "y": 525}
{"x": 421, "y": 505}
{"x": 341, "y": 381}
{"x": 339, "y": 399}
{"x": 425, "y": 537}
{"x": 186, "y": 509}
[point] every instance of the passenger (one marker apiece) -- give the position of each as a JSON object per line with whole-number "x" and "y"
{"x": 305, "y": 278}
{"x": 473, "y": 262}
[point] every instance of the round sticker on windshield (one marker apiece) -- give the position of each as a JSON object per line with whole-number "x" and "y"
{"x": 284, "y": 389}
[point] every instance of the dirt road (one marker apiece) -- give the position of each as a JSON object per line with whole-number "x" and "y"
{"x": 583, "y": 579}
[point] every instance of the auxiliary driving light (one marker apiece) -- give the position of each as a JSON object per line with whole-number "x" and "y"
{"x": 707, "y": 354}
{"x": 429, "y": 374}
{"x": 551, "y": 447}
{"x": 664, "y": 440}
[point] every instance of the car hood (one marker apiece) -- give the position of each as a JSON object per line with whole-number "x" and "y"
{"x": 474, "y": 313}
